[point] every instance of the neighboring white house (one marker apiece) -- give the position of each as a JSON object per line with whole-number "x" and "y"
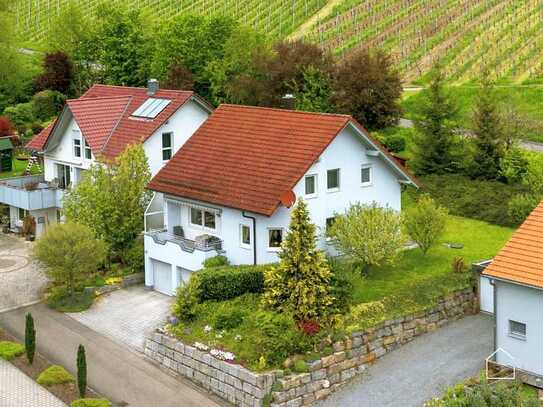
{"x": 230, "y": 188}
{"x": 516, "y": 275}
{"x": 102, "y": 122}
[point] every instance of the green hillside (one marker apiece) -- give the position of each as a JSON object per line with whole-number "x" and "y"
{"x": 505, "y": 36}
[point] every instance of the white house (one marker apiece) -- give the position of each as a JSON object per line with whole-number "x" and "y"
{"x": 102, "y": 122}
{"x": 229, "y": 189}
{"x": 516, "y": 276}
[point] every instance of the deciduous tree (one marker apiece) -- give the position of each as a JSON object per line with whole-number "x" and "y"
{"x": 425, "y": 222}
{"x": 57, "y": 73}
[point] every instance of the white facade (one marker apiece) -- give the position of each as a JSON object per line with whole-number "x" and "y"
{"x": 486, "y": 294}
{"x": 346, "y": 153}
{"x": 67, "y": 155}
{"x": 520, "y": 307}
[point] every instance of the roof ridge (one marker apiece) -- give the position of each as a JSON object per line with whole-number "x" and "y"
{"x": 102, "y": 85}
{"x": 278, "y": 109}
{"x": 86, "y": 99}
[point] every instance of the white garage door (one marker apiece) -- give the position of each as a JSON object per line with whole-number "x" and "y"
{"x": 162, "y": 273}
{"x": 486, "y": 295}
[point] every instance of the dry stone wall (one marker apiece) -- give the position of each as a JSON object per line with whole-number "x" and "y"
{"x": 326, "y": 375}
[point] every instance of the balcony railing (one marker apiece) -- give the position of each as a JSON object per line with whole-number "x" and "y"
{"x": 200, "y": 243}
{"x": 30, "y": 193}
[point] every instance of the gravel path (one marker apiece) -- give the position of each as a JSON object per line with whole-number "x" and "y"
{"x": 422, "y": 369}
{"x": 18, "y": 390}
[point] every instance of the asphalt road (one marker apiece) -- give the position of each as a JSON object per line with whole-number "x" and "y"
{"x": 422, "y": 369}
{"x": 118, "y": 373}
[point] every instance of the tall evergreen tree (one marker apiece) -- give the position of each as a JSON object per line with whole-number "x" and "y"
{"x": 30, "y": 338}
{"x": 81, "y": 371}
{"x": 488, "y": 127}
{"x": 299, "y": 285}
{"x": 435, "y": 143}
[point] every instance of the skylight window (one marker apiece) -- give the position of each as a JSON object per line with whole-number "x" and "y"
{"x": 151, "y": 108}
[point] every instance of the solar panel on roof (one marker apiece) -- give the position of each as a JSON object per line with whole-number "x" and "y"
{"x": 151, "y": 108}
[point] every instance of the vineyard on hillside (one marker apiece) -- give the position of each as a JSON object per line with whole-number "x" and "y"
{"x": 278, "y": 18}
{"x": 467, "y": 36}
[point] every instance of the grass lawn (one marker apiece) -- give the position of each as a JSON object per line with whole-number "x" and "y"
{"x": 17, "y": 169}
{"x": 413, "y": 284}
{"x": 527, "y": 100}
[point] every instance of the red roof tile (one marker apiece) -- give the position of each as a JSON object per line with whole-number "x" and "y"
{"x": 248, "y": 157}
{"x": 521, "y": 259}
{"x": 105, "y": 113}
{"x": 38, "y": 141}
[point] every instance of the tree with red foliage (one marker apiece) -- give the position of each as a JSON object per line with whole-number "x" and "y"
{"x": 6, "y": 129}
{"x": 57, "y": 73}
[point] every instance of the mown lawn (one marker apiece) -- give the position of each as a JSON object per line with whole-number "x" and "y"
{"x": 526, "y": 100}
{"x": 18, "y": 168}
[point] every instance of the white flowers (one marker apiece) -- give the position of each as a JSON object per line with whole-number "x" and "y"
{"x": 238, "y": 338}
{"x": 201, "y": 346}
{"x": 207, "y": 329}
{"x": 222, "y": 355}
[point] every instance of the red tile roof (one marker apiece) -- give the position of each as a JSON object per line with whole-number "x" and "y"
{"x": 248, "y": 157}
{"x": 103, "y": 114}
{"x": 521, "y": 259}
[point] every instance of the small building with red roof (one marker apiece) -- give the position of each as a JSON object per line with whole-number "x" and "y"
{"x": 230, "y": 189}
{"x": 101, "y": 124}
{"x": 516, "y": 278}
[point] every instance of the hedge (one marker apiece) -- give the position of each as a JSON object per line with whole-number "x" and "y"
{"x": 224, "y": 283}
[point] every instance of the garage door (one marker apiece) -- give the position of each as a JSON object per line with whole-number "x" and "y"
{"x": 486, "y": 295}
{"x": 162, "y": 273}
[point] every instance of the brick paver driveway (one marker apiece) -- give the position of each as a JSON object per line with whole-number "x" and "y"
{"x": 127, "y": 315}
{"x": 17, "y": 390}
{"x": 21, "y": 280}
{"x": 423, "y": 368}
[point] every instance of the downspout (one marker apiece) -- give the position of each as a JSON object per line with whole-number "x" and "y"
{"x": 495, "y": 296}
{"x": 254, "y": 234}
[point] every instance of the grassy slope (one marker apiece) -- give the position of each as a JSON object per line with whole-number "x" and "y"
{"x": 528, "y": 100}
{"x": 18, "y": 168}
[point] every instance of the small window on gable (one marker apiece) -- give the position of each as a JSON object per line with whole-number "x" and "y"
{"x": 517, "y": 329}
{"x": 77, "y": 147}
{"x": 245, "y": 235}
{"x": 88, "y": 154}
{"x": 166, "y": 146}
{"x": 275, "y": 238}
{"x": 366, "y": 175}
{"x": 332, "y": 179}
{"x": 311, "y": 185}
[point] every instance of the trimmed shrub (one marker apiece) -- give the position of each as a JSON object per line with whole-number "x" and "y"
{"x": 425, "y": 222}
{"x": 228, "y": 320}
{"x": 186, "y": 300}
{"x": 90, "y": 403}
{"x": 81, "y": 371}
{"x": 395, "y": 143}
{"x": 223, "y": 283}
{"x": 216, "y": 261}
{"x": 30, "y": 338}
{"x": 54, "y": 374}
{"x": 520, "y": 206}
{"x": 10, "y": 350}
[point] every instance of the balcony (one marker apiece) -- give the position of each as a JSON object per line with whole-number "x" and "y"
{"x": 30, "y": 193}
{"x": 182, "y": 252}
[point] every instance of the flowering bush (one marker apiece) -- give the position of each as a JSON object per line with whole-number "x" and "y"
{"x": 309, "y": 327}
{"x": 222, "y": 355}
{"x": 201, "y": 346}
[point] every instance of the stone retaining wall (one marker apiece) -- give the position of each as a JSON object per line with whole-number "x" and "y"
{"x": 350, "y": 357}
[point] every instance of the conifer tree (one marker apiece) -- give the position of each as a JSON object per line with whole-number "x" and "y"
{"x": 30, "y": 338}
{"x": 299, "y": 285}
{"x": 489, "y": 139}
{"x": 81, "y": 371}
{"x": 435, "y": 143}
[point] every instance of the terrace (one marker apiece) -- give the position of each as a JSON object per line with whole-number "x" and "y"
{"x": 30, "y": 193}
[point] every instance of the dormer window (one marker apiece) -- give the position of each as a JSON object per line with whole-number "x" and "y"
{"x": 151, "y": 108}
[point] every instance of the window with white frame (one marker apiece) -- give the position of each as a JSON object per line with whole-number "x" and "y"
{"x": 166, "y": 146}
{"x": 202, "y": 218}
{"x": 366, "y": 175}
{"x": 88, "y": 154}
{"x": 332, "y": 179}
{"x": 77, "y": 147}
{"x": 311, "y": 185}
{"x": 517, "y": 329}
{"x": 275, "y": 238}
{"x": 245, "y": 235}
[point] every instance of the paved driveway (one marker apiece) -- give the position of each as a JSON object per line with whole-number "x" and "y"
{"x": 127, "y": 316}
{"x": 17, "y": 389}
{"x": 21, "y": 281}
{"x": 422, "y": 369}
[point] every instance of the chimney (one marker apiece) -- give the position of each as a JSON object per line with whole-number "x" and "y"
{"x": 152, "y": 87}
{"x": 288, "y": 101}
